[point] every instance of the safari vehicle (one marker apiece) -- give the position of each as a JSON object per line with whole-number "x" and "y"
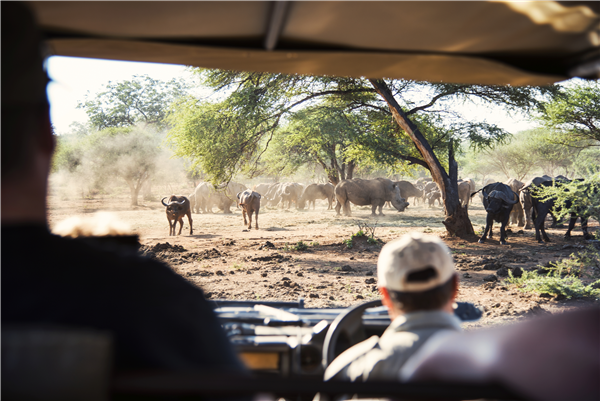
{"x": 287, "y": 347}
{"x": 284, "y": 339}
{"x": 492, "y": 43}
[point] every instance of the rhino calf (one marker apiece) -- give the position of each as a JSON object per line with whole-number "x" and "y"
{"x": 249, "y": 201}
{"x": 314, "y": 192}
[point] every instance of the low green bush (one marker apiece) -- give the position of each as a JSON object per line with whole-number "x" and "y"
{"x": 300, "y": 246}
{"x": 563, "y": 278}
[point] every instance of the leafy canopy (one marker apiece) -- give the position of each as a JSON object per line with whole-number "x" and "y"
{"x": 574, "y": 114}
{"x": 258, "y": 110}
{"x": 141, "y": 100}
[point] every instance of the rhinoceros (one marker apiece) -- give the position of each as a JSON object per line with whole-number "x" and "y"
{"x": 368, "y": 192}
{"x": 207, "y": 197}
{"x": 314, "y": 192}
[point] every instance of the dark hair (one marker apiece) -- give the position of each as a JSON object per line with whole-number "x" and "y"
{"x": 432, "y": 299}
{"x": 20, "y": 126}
{"x": 24, "y": 100}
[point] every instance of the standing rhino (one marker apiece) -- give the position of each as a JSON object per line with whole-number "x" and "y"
{"x": 249, "y": 201}
{"x": 433, "y": 196}
{"x": 422, "y": 181}
{"x": 262, "y": 188}
{"x": 317, "y": 191}
{"x": 285, "y": 192}
{"x": 465, "y": 188}
{"x": 408, "y": 190}
{"x": 195, "y": 206}
{"x": 234, "y": 188}
{"x": 207, "y": 198}
{"x": 368, "y": 192}
{"x": 291, "y": 192}
{"x": 272, "y": 195}
{"x": 516, "y": 215}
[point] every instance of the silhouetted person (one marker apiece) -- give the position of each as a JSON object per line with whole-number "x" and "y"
{"x": 157, "y": 319}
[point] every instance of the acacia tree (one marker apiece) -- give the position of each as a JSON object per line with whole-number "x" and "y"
{"x": 573, "y": 116}
{"x": 329, "y": 135}
{"x": 127, "y": 153}
{"x": 257, "y": 102}
{"x": 142, "y": 100}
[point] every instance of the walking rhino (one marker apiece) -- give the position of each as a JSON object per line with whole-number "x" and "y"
{"x": 368, "y": 192}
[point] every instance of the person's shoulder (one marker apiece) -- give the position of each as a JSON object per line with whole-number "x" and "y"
{"x": 349, "y": 356}
{"x": 123, "y": 260}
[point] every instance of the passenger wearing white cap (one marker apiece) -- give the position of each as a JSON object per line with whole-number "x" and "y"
{"x": 418, "y": 285}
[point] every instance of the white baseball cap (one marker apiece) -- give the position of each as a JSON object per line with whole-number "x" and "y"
{"x": 412, "y": 253}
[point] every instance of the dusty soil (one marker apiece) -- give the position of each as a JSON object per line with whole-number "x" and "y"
{"x": 229, "y": 262}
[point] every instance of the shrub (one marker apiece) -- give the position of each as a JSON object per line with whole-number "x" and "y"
{"x": 300, "y": 246}
{"x": 564, "y": 277}
{"x": 580, "y": 197}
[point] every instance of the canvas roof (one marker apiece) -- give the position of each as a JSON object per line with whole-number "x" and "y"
{"x": 494, "y": 42}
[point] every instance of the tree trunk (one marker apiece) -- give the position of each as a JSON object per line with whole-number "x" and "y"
{"x": 134, "y": 196}
{"x": 333, "y": 177}
{"x": 457, "y": 220}
{"x": 134, "y": 187}
{"x": 350, "y": 173}
{"x": 133, "y": 192}
{"x": 147, "y": 192}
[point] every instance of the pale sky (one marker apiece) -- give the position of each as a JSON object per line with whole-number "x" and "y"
{"x": 74, "y": 77}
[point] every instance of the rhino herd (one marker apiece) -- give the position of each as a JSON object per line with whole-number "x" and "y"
{"x": 361, "y": 192}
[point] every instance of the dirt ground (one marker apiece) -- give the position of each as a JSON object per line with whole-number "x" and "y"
{"x": 229, "y": 262}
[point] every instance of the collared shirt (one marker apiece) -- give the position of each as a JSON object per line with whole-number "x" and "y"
{"x": 381, "y": 358}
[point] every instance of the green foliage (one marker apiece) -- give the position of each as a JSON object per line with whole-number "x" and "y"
{"x": 528, "y": 151}
{"x": 364, "y": 230}
{"x": 564, "y": 277}
{"x": 513, "y": 159}
{"x": 549, "y": 156}
{"x": 337, "y": 123}
{"x": 129, "y": 153}
{"x": 587, "y": 162}
{"x": 300, "y": 246}
{"x": 127, "y": 103}
{"x": 554, "y": 284}
{"x": 581, "y": 197}
{"x": 68, "y": 155}
{"x": 211, "y": 137}
{"x": 359, "y": 233}
{"x": 575, "y": 114}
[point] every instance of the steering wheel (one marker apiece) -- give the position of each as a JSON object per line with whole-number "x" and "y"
{"x": 348, "y": 323}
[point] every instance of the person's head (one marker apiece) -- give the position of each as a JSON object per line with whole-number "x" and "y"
{"x": 416, "y": 273}
{"x": 27, "y": 140}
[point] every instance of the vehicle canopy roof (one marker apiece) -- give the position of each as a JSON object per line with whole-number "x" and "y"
{"x": 499, "y": 42}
